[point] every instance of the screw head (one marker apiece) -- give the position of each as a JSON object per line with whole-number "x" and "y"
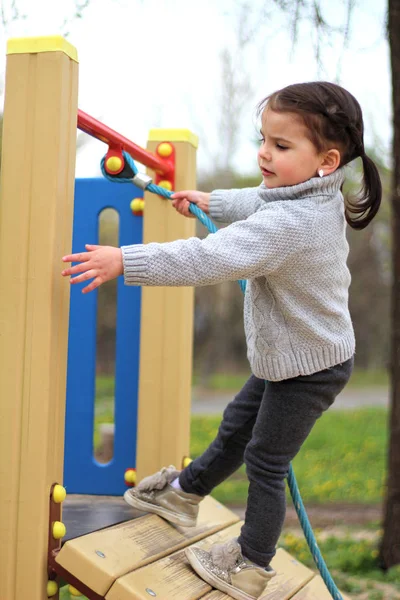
{"x": 101, "y": 554}
{"x": 150, "y": 592}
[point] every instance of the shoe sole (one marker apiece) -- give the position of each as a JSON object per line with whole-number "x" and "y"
{"x": 158, "y": 510}
{"x": 214, "y": 581}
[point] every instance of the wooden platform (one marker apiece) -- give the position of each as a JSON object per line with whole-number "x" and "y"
{"x": 143, "y": 557}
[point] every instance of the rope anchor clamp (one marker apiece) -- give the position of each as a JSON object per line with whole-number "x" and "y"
{"x": 141, "y": 180}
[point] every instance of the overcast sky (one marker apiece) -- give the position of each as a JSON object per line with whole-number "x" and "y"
{"x": 156, "y": 63}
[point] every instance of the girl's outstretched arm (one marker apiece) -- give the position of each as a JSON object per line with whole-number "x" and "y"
{"x": 100, "y": 263}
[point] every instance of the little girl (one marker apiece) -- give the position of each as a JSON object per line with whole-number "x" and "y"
{"x": 287, "y": 238}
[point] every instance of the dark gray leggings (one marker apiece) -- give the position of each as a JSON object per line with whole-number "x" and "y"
{"x": 264, "y": 426}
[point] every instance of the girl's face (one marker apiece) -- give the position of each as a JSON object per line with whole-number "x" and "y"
{"x": 286, "y": 155}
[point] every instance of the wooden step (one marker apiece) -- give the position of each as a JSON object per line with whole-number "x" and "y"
{"x": 100, "y": 558}
{"x": 144, "y": 558}
{"x": 173, "y": 577}
{"x": 315, "y": 590}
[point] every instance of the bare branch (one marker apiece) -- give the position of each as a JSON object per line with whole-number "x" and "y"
{"x": 346, "y": 36}
{"x": 80, "y": 6}
{"x": 15, "y": 14}
{"x": 310, "y": 11}
{"x": 295, "y": 23}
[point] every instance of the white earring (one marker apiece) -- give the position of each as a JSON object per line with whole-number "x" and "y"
{"x": 321, "y": 173}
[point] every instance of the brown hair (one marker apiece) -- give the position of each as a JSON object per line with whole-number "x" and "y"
{"x": 333, "y": 116}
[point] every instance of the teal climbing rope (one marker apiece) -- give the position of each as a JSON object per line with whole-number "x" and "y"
{"x": 293, "y": 487}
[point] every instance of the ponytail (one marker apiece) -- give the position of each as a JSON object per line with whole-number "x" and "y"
{"x": 367, "y": 204}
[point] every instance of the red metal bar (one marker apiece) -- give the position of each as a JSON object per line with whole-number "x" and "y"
{"x": 105, "y": 134}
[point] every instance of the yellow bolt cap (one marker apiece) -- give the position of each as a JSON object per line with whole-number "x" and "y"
{"x": 165, "y": 184}
{"x": 59, "y": 494}
{"x": 73, "y": 591}
{"x": 113, "y": 164}
{"x": 137, "y": 205}
{"x": 52, "y": 588}
{"x": 130, "y": 476}
{"x": 165, "y": 149}
{"x": 59, "y": 530}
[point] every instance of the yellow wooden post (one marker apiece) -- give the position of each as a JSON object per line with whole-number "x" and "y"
{"x": 36, "y": 207}
{"x": 166, "y": 328}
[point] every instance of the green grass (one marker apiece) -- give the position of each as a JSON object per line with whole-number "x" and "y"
{"x": 343, "y": 459}
{"x": 352, "y": 561}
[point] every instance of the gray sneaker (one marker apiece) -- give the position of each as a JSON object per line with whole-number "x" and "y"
{"x": 225, "y": 568}
{"x": 154, "y": 494}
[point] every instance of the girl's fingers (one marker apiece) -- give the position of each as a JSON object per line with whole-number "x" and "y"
{"x": 80, "y": 268}
{"x": 179, "y": 195}
{"x": 84, "y": 277}
{"x": 92, "y": 286}
{"x": 80, "y": 257}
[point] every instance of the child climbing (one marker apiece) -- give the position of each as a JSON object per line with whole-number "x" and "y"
{"x": 287, "y": 238}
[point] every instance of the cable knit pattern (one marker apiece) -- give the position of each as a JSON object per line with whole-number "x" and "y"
{"x": 290, "y": 244}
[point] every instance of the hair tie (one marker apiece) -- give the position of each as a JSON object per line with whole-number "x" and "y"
{"x": 361, "y": 151}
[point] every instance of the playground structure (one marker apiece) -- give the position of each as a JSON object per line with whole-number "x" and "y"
{"x": 141, "y": 558}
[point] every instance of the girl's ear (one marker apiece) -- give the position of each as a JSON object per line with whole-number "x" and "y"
{"x": 330, "y": 161}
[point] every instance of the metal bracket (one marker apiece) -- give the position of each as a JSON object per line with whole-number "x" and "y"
{"x": 142, "y": 181}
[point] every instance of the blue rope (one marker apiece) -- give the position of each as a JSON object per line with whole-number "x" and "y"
{"x": 294, "y": 489}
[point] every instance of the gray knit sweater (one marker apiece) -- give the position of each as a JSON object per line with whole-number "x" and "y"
{"x": 290, "y": 244}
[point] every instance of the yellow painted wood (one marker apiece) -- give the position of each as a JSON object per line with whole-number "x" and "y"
{"x": 315, "y": 590}
{"x": 32, "y": 45}
{"x": 36, "y": 207}
{"x": 166, "y": 336}
{"x": 174, "y": 135}
{"x": 130, "y": 545}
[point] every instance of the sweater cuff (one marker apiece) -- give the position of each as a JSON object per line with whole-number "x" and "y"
{"x": 135, "y": 261}
{"x": 216, "y": 206}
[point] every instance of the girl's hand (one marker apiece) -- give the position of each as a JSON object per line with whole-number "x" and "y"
{"x": 182, "y": 200}
{"x": 100, "y": 263}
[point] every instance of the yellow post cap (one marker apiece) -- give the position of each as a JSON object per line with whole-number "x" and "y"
{"x": 174, "y": 135}
{"x": 35, "y": 45}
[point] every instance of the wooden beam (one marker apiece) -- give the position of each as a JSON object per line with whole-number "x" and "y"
{"x": 166, "y": 328}
{"x": 36, "y": 207}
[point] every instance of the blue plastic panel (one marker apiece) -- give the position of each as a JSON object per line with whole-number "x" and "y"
{"x": 82, "y": 473}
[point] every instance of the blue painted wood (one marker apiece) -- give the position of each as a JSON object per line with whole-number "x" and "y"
{"x": 82, "y": 473}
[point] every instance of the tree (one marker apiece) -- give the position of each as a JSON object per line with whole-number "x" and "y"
{"x": 390, "y": 545}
